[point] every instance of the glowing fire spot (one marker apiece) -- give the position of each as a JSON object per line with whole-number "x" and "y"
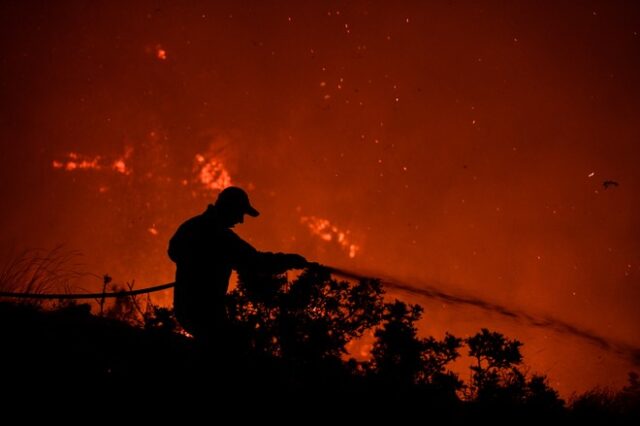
{"x": 120, "y": 166}
{"x": 153, "y": 231}
{"x": 75, "y": 161}
{"x": 365, "y": 351}
{"x": 211, "y": 173}
{"x": 328, "y": 232}
{"x": 161, "y": 53}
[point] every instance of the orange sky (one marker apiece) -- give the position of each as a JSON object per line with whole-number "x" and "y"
{"x": 459, "y": 144}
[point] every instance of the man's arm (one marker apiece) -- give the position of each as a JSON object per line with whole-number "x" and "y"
{"x": 246, "y": 257}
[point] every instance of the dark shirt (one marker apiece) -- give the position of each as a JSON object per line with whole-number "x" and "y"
{"x": 205, "y": 253}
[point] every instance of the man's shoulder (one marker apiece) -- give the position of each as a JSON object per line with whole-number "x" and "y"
{"x": 195, "y": 225}
{"x": 192, "y": 222}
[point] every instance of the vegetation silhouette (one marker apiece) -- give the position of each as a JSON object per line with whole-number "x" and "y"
{"x": 291, "y": 338}
{"x": 287, "y": 339}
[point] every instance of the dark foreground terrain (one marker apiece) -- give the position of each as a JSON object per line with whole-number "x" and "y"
{"x": 285, "y": 359}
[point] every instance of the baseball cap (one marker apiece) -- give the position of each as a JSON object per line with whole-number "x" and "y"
{"x": 233, "y": 197}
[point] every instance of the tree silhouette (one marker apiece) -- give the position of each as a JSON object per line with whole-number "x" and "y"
{"x": 400, "y": 358}
{"x": 435, "y": 357}
{"x": 496, "y": 376}
{"x": 397, "y": 351}
{"x": 498, "y": 381}
{"x": 542, "y": 399}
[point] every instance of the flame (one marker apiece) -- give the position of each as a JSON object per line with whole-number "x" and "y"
{"x": 211, "y": 173}
{"x": 75, "y": 161}
{"x": 329, "y": 232}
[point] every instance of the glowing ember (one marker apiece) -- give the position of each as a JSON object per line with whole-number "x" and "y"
{"x": 328, "y": 232}
{"x": 211, "y": 173}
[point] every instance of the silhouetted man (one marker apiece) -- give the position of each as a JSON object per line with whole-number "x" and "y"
{"x": 205, "y": 250}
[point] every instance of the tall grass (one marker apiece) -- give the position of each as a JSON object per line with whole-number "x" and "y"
{"x": 40, "y": 271}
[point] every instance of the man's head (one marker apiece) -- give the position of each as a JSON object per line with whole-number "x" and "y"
{"x": 232, "y": 204}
